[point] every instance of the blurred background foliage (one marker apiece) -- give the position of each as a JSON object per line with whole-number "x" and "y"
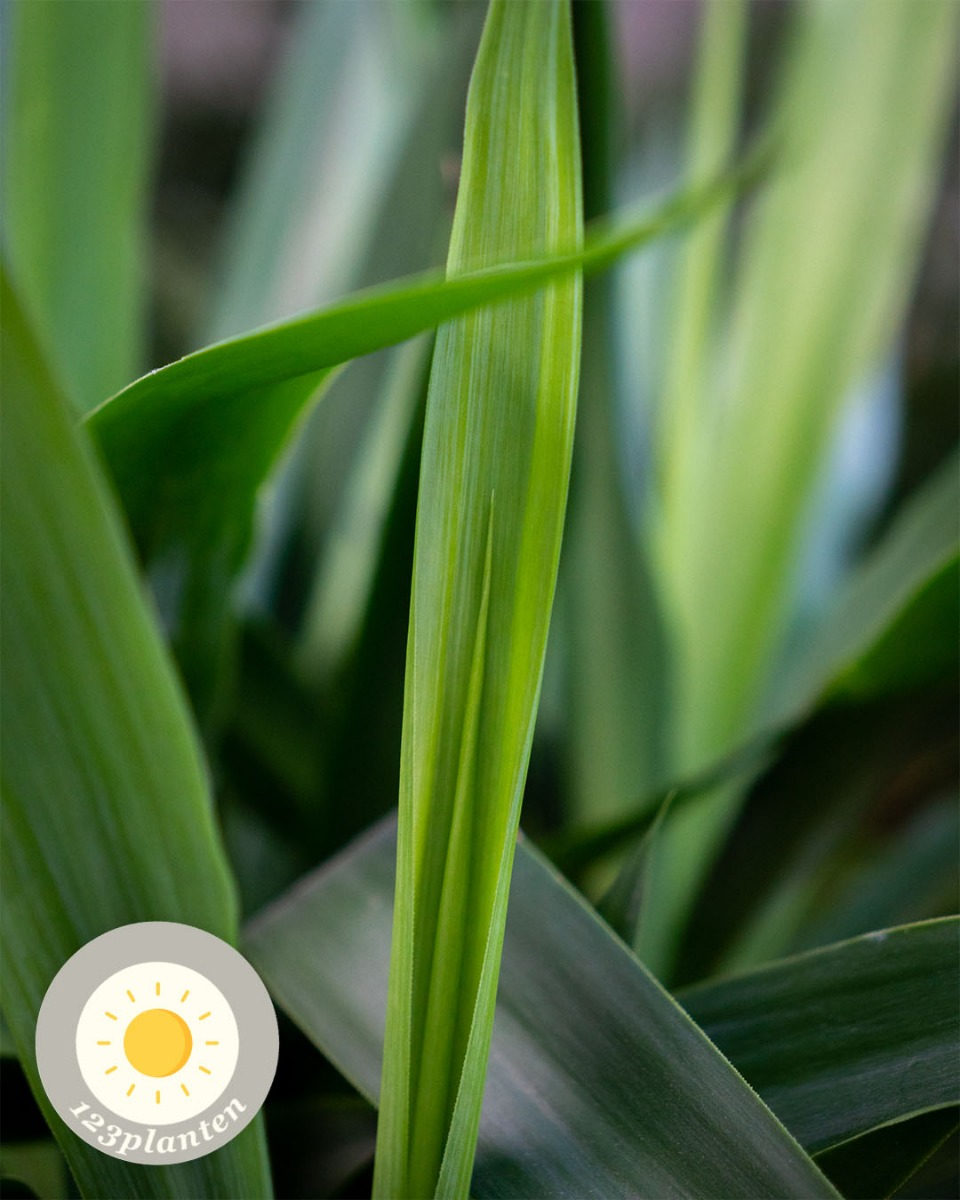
{"x": 290, "y": 152}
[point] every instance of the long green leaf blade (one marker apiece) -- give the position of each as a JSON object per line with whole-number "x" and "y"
{"x": 76, "y": 123}
{"x": 828, "y": 256}
{"x": 106, "y": 813}
{"x": 841, "y": 1040}
{"x": 496, "y": 460}
{"x": 599, "y": 1086}
{"x": 217, "y": 392}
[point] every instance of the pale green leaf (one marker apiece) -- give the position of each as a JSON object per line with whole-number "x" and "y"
{"x": 77, "y": 119}
{"x": 827, "y": 259}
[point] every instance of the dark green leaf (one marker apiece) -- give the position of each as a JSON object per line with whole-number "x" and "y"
{"x": 879, "y": 1162}
{"x": 844, "y": 1039}
{"x": 598, "y": 1086}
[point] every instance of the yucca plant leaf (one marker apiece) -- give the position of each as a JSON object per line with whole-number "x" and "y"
{"x": 827, "y": 258}
{"x": 74, "y": 183}
{"x": 495, "y": 465}
{"x": 599, "y": 1086}
{"x": 189, "y": 445}
{"x": 612, "y": 642}
{"x": 343, "y": 583}
{"x": 911, "y": 876}
{"x": 895, "y": 624}
{"x": 849, "y": 1037}
{"x": 882, "y": 1161}
{"x": 106, "y": 811}
{"x": 142, "y": 429}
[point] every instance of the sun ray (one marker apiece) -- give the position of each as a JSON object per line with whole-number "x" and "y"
{"x": 184, "y": 1089}
{"x": 158, "y": 989}
{"x": 157, "y": 1101}
{"x": 206, "y": 1071}
{"x": 109, "y": 1070}
{"x": 107, "y": 1043}
{"x": 130, "y": 1089}
{"x": 203, "y": 1016}
{"x": 185, "y": 995}
{"x": 110, "y": 1015}
{"x": 211, "y": 1043}
{"x": 133, "y": 999}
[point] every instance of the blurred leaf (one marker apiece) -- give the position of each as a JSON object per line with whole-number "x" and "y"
{"x": 689, "y": 345}
{"x": 75, "y": 166}
{"x": 828, "y": 255}
{"x": 39, "y": 1165}
{"x": 344, "y": 580}
{"x": 912, "y": 875}
{"x": 598, "y": 1084}
{"x": 495, "y": 465}
{"x": 613, "y": 643}
{"x": 847, "y": 1038}
{"x": 334, "y": 130}
{"x": 347, "y": 152}
{"x": 574, "y": 848}
{"x": 879, "y": 1162}
{"x": 895, "y": 624}
{"x": 839, "y": 785}
{"x": 106, "y": 813}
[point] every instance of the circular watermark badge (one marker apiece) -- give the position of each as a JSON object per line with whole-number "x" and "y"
{"x": 157, "y": 1042}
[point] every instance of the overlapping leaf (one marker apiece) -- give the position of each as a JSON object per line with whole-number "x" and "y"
{"x": 190, "y": 445}
{"x": 598, "y": 1086}
{"x": 847, "y": 1038}
{"x": 826, "y": 261}
{"x": 494, "y": 470}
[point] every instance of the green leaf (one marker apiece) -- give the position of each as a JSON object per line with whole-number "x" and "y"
{"x": 336, "y": 126}
{"x": 613, "y": 644}
{"x": 844, "y": 1039}
{"x": 106, "y": 814}
{"x": 495, "y": 465}
{"x": 894, "y": 625}
{"x": 75, "y": 165}
{"x": 345, "y": 576}
{"x": 38, "y": 1165}
{"x": 809, "y": 821}
{"x": 599, "y": 1086}
{"x": 827, "y": 259}
{"x": 912, "y": 876}
{"x": 880, "y": 1162}
{"x": 190, "y": 445}
{"x": 893, "y": 628}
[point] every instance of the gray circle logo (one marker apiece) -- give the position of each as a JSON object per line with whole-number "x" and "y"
{"x": 157, "y": 1042}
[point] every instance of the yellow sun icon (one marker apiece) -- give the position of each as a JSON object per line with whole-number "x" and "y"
{"x": 157, "y": 1041}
